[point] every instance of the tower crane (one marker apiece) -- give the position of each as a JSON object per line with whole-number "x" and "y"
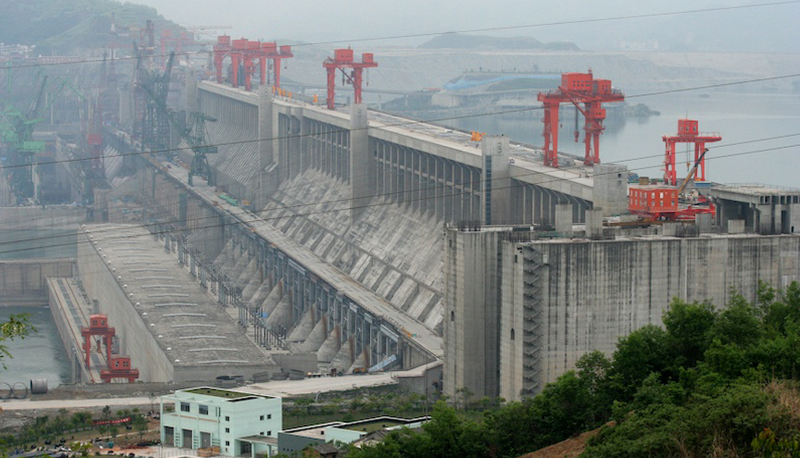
{"x": 194, "y": 133}
{"x": 19, "y": 135}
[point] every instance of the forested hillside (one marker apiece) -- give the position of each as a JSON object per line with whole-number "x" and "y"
{"x": 711, "y": 382}
{"x": 65, "y": 26}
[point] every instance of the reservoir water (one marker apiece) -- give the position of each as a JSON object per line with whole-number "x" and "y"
{"x": 637, "y": 143}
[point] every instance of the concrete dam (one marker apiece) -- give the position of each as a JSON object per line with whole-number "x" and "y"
{"x": 324, "y": 234}
{"x": 340, "y": 253}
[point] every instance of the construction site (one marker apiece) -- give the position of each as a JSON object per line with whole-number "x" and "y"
{"x": 231, "y": 229}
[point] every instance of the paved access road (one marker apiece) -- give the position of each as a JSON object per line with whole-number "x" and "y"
{"x": 278, "y": 388}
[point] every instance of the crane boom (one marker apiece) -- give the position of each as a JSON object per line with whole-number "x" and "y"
{"x": 194, "y": 132}
{"x": 691, "y": 173}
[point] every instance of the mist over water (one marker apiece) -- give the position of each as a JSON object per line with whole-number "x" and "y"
{"x": 737, "y": 117}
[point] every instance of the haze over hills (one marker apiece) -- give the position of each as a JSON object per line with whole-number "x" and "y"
{"x": 590, "y": 25}
{"x": 66, "y": 26}
{"x": 464, "y": 41}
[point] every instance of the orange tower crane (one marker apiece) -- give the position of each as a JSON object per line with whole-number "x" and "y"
{"x": 343, "y": 58}
{"x": 577, "y": 88}
{"x": 687, "y": 133}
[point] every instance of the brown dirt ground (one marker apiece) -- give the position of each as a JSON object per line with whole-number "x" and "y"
{"x": 569, "y": 448}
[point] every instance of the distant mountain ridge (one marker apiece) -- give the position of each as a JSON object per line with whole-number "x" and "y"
{"x": 464, "y": 41}
{"x": 64, "y": 26}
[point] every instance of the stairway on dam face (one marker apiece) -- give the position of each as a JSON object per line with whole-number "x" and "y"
{"x": 394, "y": 251}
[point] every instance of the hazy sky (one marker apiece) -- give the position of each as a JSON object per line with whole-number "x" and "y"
{"x": 334, "y": 20}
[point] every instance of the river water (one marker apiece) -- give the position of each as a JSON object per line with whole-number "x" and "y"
{"x": 737, "y": 117}
{"x": 41, "y": 354}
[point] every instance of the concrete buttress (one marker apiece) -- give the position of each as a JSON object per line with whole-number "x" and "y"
{"x": 360, "y": 161}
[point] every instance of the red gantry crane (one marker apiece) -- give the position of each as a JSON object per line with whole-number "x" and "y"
{"x": 577, "y": 88}
{"x": 687, "y": 133}
{"x": 119, "y": 366}
{"x": 343, "y": 58}
{"x": 669, "y": 201}
{"x": 244, "y": 54}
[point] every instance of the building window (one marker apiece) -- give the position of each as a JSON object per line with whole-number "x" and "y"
{"x": 203, "y": 409}
{"x": 227, "y": 418}
{"x": 452, "y": 316}
{"x": 261, "y": 418}
{"x": 184, "y": 407}
{"x": 269, "y": 433}
{"x": 227, "y": 430}
{"x": 512, "y": 334}
{"x": 269, "y": 416}
{"x": 227, "y": 443}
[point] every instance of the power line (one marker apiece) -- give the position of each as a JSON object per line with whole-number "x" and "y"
{"x": 484, "y": 29}
{"x": 389, "y": 194}
{"x": 410, "y": 122}
{"x": 348, "y": 208}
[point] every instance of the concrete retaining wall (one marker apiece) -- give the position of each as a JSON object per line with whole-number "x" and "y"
{"x": 52, "y": 217}
{"x": 135, "y": 340}
{"x": 534, "y": 308}
{"x": 24, "y": 282}
{"x": 593, "y": 293}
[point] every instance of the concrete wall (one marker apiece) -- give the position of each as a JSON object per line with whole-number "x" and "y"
{"x": 495, "y": 181}
{"x": 470, "y": 314}
{"x": 135, "y": 340}
{"x": 529, "y": 310}
{"x": 593, "y": 293}
{"x": 52, "y": 217}
{"x": 512, "y": 330}
{"x": 611, "y": 188}
{"x": 25, "y": 281}
{"x": 73, "y": 348}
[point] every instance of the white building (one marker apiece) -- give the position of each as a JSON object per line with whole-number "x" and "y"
{"x": 221, "y": 420}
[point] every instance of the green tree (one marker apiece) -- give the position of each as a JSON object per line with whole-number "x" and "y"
{"x": 463, "y": 395}
{"x": 641, "y": 353}
{"x": 80, "y": 420}
{"x": 688, "y": 328}
{"x": 738, "y": 323}
{"x": 140, "y": 425}
{"x": 448, "y": 435}
{"x": 17, "y": 326}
